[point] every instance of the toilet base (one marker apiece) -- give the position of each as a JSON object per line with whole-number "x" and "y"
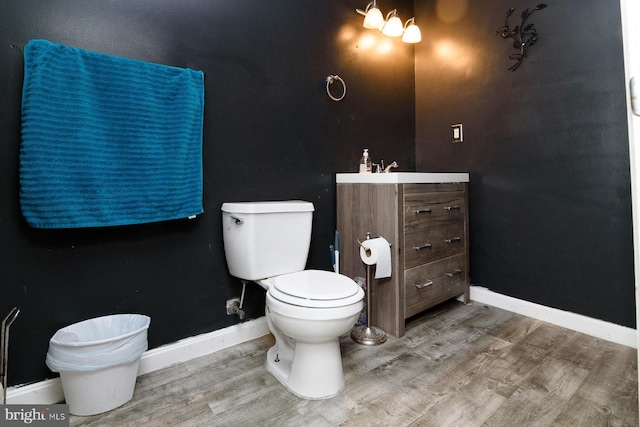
{"x": 315, "y": 371}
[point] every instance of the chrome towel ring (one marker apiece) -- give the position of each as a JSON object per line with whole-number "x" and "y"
{"x": 330, "y": 81}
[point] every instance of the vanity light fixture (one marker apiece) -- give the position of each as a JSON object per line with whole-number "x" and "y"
{"x": 411, "y": 32}
{"x": 390, "y": 26}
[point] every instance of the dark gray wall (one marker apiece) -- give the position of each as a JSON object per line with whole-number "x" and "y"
{"x": 546, "y": 147}
{"x": 270, "y": 133}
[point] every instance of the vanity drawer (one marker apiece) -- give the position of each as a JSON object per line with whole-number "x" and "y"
{"x": 423, "y": 210}
{"x": 427, "y": 244}
{"x": 433, "y": 283}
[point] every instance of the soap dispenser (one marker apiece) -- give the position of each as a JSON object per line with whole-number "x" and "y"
{"x": 365, "y": 162}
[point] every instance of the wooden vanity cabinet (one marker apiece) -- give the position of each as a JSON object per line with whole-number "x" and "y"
{"x": 427, "y": 226}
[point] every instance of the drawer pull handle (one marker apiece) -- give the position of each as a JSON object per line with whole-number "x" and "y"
{"x": 454, "y": 272}
{"x": 455, "y": 239}
{"x": 425, "y": 246}
{"x": 419, "y": 211}
{"x": 424, "y": 285}
{"x": 452, "y": 208}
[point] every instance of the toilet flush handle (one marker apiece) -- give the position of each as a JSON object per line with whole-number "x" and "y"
{"x": 237, "y": 219}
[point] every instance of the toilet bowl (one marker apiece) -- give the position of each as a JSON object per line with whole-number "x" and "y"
{"x": 306, "y": 310}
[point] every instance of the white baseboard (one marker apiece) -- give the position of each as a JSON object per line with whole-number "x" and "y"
{"x": 201, "y": 345}
{"x": 576, "y": 322}
{"x": 50, "y": 391}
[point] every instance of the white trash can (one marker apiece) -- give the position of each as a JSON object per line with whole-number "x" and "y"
{"x": 98, "y": 361}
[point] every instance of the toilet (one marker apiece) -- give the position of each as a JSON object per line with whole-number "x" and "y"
{"x": 306, "y": 310}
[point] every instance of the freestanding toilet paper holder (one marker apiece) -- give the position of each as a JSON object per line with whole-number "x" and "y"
{"x": 368, "y": 334}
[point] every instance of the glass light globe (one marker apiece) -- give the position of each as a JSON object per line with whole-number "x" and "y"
{"x": 373, "y": 18}
{"x": 393, "y": 26}
{"x": 412, "y": 34}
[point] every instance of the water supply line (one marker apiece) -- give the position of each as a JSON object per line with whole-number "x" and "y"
{"x": 235, "y": 306}
{"x": 4, "y": 349}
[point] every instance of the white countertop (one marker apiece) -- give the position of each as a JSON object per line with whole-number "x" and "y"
{"x": 400, "y": 178}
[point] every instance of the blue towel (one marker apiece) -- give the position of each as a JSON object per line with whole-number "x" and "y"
{"x": 108, "y": 141}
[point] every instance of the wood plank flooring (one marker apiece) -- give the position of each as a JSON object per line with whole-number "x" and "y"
{"x": 458, "y": 365}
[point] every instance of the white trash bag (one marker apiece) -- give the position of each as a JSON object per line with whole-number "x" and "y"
{"x": 98, "y": 343}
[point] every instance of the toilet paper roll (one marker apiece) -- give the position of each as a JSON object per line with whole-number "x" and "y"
{"x": 377, "y": 251}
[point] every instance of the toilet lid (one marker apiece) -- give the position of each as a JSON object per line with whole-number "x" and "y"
{"x": 316, "y": 288}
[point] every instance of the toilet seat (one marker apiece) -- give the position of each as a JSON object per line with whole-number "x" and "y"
{"x": 315, "y": 289}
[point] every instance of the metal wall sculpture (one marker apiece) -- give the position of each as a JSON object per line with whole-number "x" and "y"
{"x": 524, "y": 35}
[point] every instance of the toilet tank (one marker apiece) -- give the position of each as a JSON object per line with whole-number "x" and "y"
{"x": 266, "y": 239}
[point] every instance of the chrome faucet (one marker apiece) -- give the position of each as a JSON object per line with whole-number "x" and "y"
{"x": 381, "y": 169}
{"x": 392, "y": 165}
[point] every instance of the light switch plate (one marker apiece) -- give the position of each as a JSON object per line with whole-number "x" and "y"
{"x": 456, "y": 133}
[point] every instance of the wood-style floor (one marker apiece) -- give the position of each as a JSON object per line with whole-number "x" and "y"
{"x": 458, "y": 365}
